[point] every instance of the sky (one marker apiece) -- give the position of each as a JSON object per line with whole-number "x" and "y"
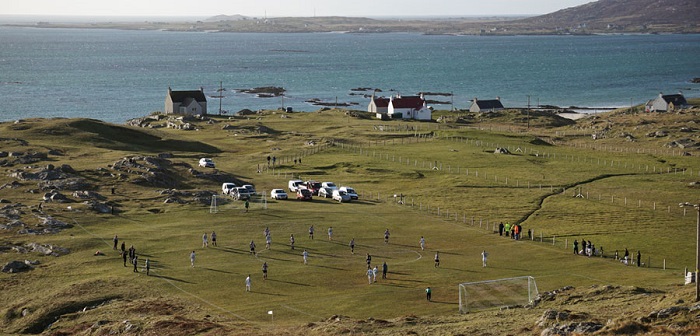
{"x": 279, "y": 8}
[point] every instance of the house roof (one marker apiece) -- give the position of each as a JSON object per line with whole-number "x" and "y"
{"x": 676, "y": 99}
{"x": 489, "y": 104}
{"x": 414, "y": 102}
{"x": 182, "y": 96}
{"x": 381, "y": 102}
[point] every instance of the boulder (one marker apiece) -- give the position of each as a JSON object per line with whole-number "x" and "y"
{"x": 98, "y": 206}
{"x": 16, "y": 267}
{"x": 86, "y": 194}
{"x": 47, "y": 249}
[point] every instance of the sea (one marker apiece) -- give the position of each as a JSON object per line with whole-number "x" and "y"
{"x": 116, "y": 75}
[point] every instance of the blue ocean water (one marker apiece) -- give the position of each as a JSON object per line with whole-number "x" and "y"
{"x": 115, "y": 75}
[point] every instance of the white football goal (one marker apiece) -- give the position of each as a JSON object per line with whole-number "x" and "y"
{"x": 496, "y": 293}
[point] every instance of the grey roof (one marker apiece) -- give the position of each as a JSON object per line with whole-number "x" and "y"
{"x": 182, "y": 96}
{"x": 676, "y": 99}
{"x": 489, "y": 104}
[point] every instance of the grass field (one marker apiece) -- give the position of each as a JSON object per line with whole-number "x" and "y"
{"x": 455, "y": 191}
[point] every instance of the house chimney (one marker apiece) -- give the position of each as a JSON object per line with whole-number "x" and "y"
{"x": 201, "y": 89}
{"x": 475, "y": 99}
{"x": 498, "y": 98}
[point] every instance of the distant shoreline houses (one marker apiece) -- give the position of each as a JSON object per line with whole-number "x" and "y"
{"x": 400, "y": 107}
{"x": 666, "y": 103}
{"x": 192, "y": 102}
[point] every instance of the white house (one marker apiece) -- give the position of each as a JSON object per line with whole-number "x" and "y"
{"x": 409, "y": 107}
{"x": 186, "y": 102}
{"x": 666, "y": 103}
{"x": 378, "y": 105}
{"x": 486, "y": 105}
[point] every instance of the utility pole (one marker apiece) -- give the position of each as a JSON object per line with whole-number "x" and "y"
{"x": 220, "y": 95}
{"x": 697, "y": 249}
{"x": 528, "y": 111}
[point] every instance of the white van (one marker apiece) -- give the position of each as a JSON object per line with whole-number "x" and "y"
{"x": 329, "y": 185}
{"x": 294, "y": 185}
{"x": 226, "y": 187}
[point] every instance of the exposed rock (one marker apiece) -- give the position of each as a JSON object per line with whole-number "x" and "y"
{"x": 16, "y": 267}
{"x": 501, "y": 150}
{"x": 657, "y": 134}
{"x": 682, "y": 143}
{"x": 74, "y": 183}
{"x": 86, "y": 194}
{"x": 98, "y": 206}
{"x": 11, "y": 185}
{"x": 55, "y": 196}
{"x": 47, "y": 249}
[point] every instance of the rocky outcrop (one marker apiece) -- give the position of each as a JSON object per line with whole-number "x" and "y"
{"x": 15, "y": 267}
{"x": 185, "y": 197}
{"x": 147, "y": 170}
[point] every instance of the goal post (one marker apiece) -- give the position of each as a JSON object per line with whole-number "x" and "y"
{"x": 496, "y": 293}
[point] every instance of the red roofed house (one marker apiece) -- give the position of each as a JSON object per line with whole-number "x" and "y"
{"x": 186, "y": 102}
{"x": 409, "y": 107}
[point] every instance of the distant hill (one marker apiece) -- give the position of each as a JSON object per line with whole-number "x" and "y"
{"x": 622, "y": 15}
{"x": 604, "y": 16}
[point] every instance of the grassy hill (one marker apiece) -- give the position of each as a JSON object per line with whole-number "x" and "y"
{"x": 440, "y": 180}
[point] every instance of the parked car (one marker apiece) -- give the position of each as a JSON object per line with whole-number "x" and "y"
{"x": 325, "y": 192}
{"x": 293, "y": 185}
{"x": 341, "y": 196}
{"x": 314, "y": 186}
{"x": 329, "y": 185}
{"x": 206, "y": 163}
{"x": 304, "y": 194}
{"x": 278, "y": 194}
{"x": 226, "y": 187}
{"x": 251, "y": 189}
{"x": 350, "y": 191}
{"x": 240, "y": 193}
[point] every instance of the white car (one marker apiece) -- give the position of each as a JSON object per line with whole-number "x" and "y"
{"x": 350, "y": 191}
{"x": 329, "y": 185}
{"x": 278, "y": 194}
{"x": 325, "y": 192}
{"x": 226, "y": 187}
{"x": 240, "y": 193}
{"x": 206, "y": 163}
{"x": 341, "y": 196}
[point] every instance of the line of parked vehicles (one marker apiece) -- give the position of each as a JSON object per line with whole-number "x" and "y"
{"x": 304, "y": 190}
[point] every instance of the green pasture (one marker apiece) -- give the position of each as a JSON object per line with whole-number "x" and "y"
{"x": 455, "y": 192}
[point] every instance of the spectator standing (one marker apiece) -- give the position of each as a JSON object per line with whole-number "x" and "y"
{"x": 148, "y": 266}
{"x": 575, "y": 246}
{"x": 135, "y": 261}
{"x": 500, "y": 229}
{"x": 247, "y": 205}
{"x": 639, "y": 258}
{"x": 116, "y": 241}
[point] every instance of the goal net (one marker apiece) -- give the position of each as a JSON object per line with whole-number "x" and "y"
{"x": 496, "y": 293}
